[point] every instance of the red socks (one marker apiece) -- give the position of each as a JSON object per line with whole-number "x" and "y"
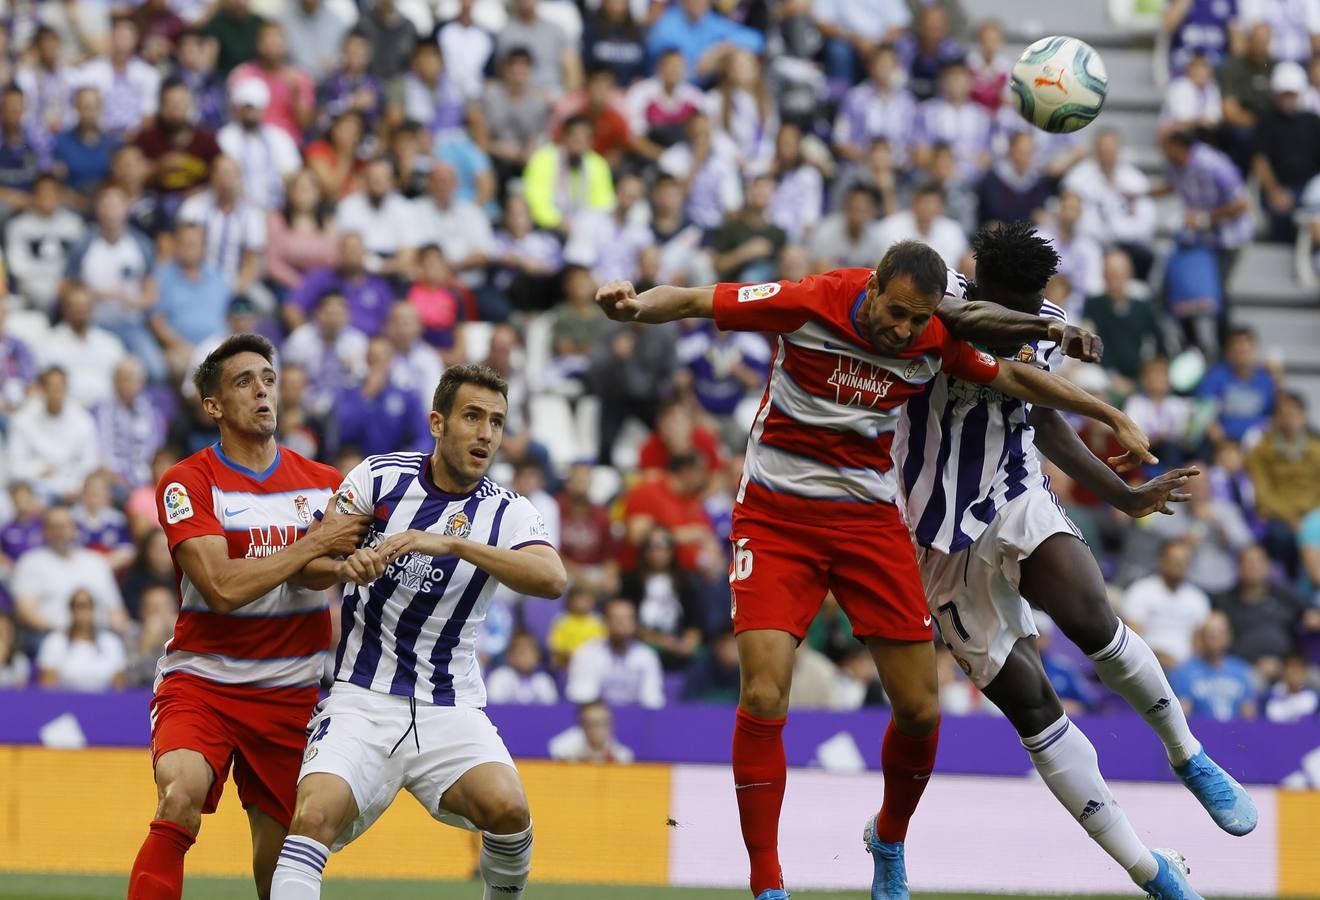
{"x": 907, "y": 762}
{"x": 158, "y": 870}
{"x": 759, "y": 773}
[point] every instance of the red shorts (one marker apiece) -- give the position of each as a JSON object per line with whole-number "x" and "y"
{"x": 781, "y": 571}
{"x": 262, "y": 731}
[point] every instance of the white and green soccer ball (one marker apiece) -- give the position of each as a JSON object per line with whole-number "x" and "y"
{"x": 1059, "y": 84}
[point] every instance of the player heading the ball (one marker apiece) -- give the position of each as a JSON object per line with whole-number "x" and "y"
{"x": 815, "y": 508}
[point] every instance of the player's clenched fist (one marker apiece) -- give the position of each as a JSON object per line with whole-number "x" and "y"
{"x": 363, "y": 567}
{"x": 619, "y": 300}
{"x": 340, "y": 533}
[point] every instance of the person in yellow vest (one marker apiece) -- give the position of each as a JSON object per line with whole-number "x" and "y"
{"x": 563, "y": 179}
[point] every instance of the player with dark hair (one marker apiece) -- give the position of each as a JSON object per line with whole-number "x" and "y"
{"x": 997, "y": 541}
{"x": 240, "y": 677}
{"x": 816, "y": 506}
{"x": 406, "y": 709}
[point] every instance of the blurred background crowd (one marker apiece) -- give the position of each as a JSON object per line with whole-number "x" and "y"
{"x": 389, "y": 187}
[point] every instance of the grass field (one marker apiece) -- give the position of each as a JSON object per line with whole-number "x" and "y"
{"x": 57, "y": 887}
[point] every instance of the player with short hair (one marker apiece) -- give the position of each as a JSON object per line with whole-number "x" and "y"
{"x": 994, "y": 542}
{"x": 241, "y": 675}
{"x": 406, "y": 709}
{"x": 816, "y": 508}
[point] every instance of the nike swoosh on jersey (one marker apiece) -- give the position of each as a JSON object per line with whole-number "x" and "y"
{"x": 236, "y": 512}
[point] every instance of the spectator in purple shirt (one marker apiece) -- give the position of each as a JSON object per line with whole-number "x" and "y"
{"x": 369, "y": 296}
{"x": 1199, "y": 27}
{"x": 196, "y": 69}
{"x": 928, "y": 49}
{"x": 377, "y": 416}
{"x": 880, "y": 107}
{"x": 23, "y": 532}
{"x": 101, "y": 525}
{"x": 1213, "y": 194}
{"x": 352, "y": 87}
{"x": 130, "y": 426}
{"x": 953, "y": 118}
{"x": 721, "y": 367}
{"x": 526, "y": 259}
{"x": 1015, "y": 189}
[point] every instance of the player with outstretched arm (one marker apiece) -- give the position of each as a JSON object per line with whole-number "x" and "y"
{"x": 816, "y": 508}
{"x": 241, "y": 675}
{"x": 996, "y": 543}
{"x": 406, "y": 708}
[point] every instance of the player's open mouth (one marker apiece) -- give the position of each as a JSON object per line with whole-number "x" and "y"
{"x": 263, "y": 410}
{"x": 480, "y": 453}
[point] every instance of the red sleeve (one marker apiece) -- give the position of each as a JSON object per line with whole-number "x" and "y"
{"x": 781, "y": 306}
{"x": 961, "y": 360}
{"x": 184, "y": 505}
{"x": 653, "y": 455}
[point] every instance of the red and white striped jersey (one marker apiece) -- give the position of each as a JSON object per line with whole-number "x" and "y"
{"x": 819, "y": 446}
{"x": 279, "y": 640}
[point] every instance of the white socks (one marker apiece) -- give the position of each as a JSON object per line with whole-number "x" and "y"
{"x": 506, "y": 859}
{"x": 1128, "y": 667}
{"x": 298, "y": 872}
{"x": 1066, "y": 760}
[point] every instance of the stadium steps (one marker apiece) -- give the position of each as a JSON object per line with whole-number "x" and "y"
{"x": 1267, "y": 296}
{"x": 1029, "y": 20}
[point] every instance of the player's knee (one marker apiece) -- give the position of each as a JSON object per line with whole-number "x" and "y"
{"x": 917, "y": 717}
{"x": 180, "y": 805}
{"x": 764, "y": 698}
{"x": 316, "y": 821}
{"x": 507, "y": 815}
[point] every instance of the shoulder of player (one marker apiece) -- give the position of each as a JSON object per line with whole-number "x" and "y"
{"x": 1052, "y": 311}
{"x": 411, "y": 461}
{"x": 192, "y": 471}
{"x": 305, "y": 469}
{"x": 489, "y": 489}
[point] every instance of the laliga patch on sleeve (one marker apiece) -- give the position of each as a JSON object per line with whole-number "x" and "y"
{"x": 749, "y": 292}
{"x": 985, "y": 358}
{"x": 178, "y": 506}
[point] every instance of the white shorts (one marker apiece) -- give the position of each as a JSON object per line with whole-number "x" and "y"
{"x": 973, "y": 593}
{"x": 356, "y": 733}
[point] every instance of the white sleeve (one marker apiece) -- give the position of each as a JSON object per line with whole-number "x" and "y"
{"x": 497, "y": 686}
{"x": 523, "y": 526}
{"x": 52, "y": 650}
{"x": 584, "y": 679}
{"x": 653, "y": 681}
{"x": 354, "y": 497}
{"x": 546, "y": 692}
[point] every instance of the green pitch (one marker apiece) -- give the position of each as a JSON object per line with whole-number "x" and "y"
{"x": 67, "y": 887}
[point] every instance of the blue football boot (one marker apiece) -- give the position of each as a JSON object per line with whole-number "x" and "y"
{"x": 890, "y": 880}
{"x": 1170, "y": 883}
{"x": 1220, "y": 794}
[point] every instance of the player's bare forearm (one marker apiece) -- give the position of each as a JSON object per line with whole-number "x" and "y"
{"x": 992, "y": 325}
{"x": 662, "y": 303}
{"x": 535, "y": 570}
{"x": 1041, "y": 388}
{"x": 229, "y": 584}
{"x": 1065, "y": 448}
{"x": 320, "y": 574}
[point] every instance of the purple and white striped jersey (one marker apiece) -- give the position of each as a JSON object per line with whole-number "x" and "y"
{"x": 963, "y": 450}
{"x": 412, "y": 632}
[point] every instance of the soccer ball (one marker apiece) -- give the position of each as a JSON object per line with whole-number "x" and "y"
{"x": 1059, "y": 84}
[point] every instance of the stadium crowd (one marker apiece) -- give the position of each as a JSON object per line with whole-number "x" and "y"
{"x": 382, "y": 199}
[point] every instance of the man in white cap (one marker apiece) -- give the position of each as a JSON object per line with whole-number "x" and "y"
{"x": 265, "y": 152}
{"x": 1287, "y": 149}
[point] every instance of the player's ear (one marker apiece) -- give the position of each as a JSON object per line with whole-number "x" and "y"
{"x": 437, "y": 425}
{"x": 211, "y": 406}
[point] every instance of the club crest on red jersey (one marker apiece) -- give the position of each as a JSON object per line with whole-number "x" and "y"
{"x": 303, "y": 509}
{"x": 459, "y": 525}
{"x": 859, "y": 383}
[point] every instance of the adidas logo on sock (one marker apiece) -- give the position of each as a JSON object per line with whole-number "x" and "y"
{"x": 1092, "y": 807}
{"x": 505, "y": 888}
{"x": 1160, "y": 706}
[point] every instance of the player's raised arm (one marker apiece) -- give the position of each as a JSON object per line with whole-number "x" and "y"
{"x": 662, "y": 303}
{"x": 229, "y": 584}
{"x": 990, "y": 324}
{"x": 1034, "y": 386}
{"x": 1056, "y": 439}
